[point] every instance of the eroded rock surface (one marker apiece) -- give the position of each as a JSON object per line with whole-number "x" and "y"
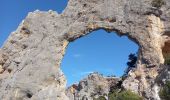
{"x": 33, "y": 52}
{"x": 93, "y": 86}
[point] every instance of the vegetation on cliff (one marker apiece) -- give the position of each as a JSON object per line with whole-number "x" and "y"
{"x": 132, "y": 59}
{"x": 165, "y": 91}
{"x": 123, "y": 95}
{"x": 158, "y": 3}
{"x": 128, "y": 95}
{"x": 167, "y": 59}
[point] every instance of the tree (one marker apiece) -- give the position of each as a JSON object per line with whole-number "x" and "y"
{"x": 131, "y": 63}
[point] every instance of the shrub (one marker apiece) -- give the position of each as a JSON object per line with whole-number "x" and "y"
{"x": 128, "y": 95}
{"x": 167, "y": 59}
{"x": 114, "y": 90}
{"x": 123, "y": 95}
{"x": 158, "y": 3}
{"x": 164, "y": 93}
{"x": 112, "y": 96}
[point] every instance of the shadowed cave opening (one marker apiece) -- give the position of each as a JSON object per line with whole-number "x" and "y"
{"x": 166, "y": 52}
{"x": 99, "y": 51}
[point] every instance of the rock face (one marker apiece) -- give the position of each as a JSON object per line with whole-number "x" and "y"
{"x": 93, "y": 86}
{"x": 30, "y": 59}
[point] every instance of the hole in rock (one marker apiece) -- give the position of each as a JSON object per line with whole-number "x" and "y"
{"x": 29, "y": 95}
{"x": 166, "y": 52}
{"x": 99, "y": 51}
{"x": 9, "y": 70}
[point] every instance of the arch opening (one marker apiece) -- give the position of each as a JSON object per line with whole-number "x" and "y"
{"x": 99, "y": 51}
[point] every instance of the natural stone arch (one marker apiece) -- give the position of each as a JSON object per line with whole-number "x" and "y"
{"x": 142, "y": 65}
{"x": 38, "y": 45}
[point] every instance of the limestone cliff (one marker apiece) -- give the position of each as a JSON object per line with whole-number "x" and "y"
{"x": 93, "y": 86}
{"x": 30, "y": 59}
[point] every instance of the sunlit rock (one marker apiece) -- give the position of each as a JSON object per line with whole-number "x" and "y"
{"x": 35, "y": 50}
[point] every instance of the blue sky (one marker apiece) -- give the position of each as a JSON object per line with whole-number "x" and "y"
{"x": 99, "y": 51}
{"x": 12, "y": 12}
{"x": 102, "y": 52}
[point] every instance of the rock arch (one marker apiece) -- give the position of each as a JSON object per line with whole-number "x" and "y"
{"x": 35, "y": 49}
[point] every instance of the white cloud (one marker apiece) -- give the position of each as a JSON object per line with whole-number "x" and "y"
{"x": 76, "y": 55}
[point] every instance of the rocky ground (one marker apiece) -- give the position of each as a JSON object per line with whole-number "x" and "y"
{"x": 93, "y": 86}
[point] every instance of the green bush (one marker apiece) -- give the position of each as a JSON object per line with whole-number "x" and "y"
{"x": 112, "y": 96}
{"x": 165, "y": 91}
{"x": 128, "y": 95}
{"x": 113, "y": 93}
{"x": 158, "y": 3}
{"x": 167, "y": 60}
{"x": 124, "y": 95}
